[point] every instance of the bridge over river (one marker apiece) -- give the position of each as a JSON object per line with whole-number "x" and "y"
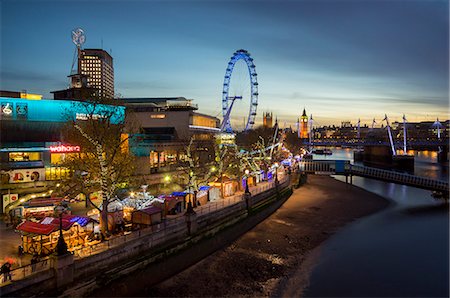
{"x": 344, "y": 167}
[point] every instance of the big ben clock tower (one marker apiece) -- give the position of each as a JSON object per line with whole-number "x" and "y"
{"x": 304, "y": 125}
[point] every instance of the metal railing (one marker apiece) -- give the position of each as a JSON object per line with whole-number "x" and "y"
{"x": 156, "y": 234}
{"x": 25, "y": 271}
{"x": 331, "y": 167}
{"x": 403, "y": 178}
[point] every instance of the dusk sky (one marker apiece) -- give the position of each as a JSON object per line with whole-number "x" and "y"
{"x": 341, "y": 60}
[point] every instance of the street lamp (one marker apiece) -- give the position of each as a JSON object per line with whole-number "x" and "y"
{"x": 247, "y": 191}
{"x": 61, "y": 246}
{"x": 276, "y": 172}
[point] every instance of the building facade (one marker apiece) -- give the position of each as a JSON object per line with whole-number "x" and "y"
{"x": 31, "y": 144}
{"x": 161, "y": 130}
{"x": 97, "y": 66}
{"x": 268, "y": 120}
{"x": 93, "y": 78}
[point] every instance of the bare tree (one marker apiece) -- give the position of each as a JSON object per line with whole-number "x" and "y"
{"x": 104, "y": 161}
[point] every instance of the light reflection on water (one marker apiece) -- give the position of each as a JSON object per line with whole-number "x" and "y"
{"x": 401, "y": 251}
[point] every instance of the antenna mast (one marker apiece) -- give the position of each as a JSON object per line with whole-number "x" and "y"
{"x": 78, "y": 38}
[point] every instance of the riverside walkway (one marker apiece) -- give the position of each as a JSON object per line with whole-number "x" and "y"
{"x": 343, "y": 167}
{"x": 156, "y": 234}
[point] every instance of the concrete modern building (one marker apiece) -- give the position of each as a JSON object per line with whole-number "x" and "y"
{"x": 166, "y": 126}
{"x": 97, "y": 65}
{"x": 31, "y": 144}
{"x": 94, "y": 77}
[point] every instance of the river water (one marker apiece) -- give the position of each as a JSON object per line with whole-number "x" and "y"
{"x": 402, "y": 251}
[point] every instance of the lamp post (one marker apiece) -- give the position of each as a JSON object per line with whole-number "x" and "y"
{"x": 276, "y": 172}
{"x": 61, "y": 246}
{"x": 247, "y": 191}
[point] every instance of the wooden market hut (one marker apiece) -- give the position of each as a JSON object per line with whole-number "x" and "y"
{"x": 173, "y": 204}
{"x": 228, "y": 185}
{"x": 41, "y": 237}
{"x": 146, "y": 217}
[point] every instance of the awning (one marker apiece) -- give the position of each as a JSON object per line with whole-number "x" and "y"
{"x": 150, "y": 210}
{"x": 52, "y": 221}
{"x": 35, "y": 228}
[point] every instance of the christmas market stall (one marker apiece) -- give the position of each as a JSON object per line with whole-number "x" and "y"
{"x": 172, "y": 204}
{"x": 146, "y": 217}
{"x": 41, "y": 237}
{"x": 228, "y": 185}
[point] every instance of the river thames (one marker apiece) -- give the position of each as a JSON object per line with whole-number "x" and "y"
{"x": 400, "y": 251}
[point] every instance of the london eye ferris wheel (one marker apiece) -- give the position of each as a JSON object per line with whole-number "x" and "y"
{"x": 228, "y": 99}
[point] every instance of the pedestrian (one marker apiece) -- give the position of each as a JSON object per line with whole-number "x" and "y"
{"x": 34, "y": 261}
{"x": 20, "y": 251}
{"x": 6, "y": 270}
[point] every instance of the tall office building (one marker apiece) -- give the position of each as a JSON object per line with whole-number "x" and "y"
{"x": 94, "y": 77}
{"x": 97, "y": 66}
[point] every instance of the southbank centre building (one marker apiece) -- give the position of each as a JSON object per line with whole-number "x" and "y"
{"x": 31, "y": 144}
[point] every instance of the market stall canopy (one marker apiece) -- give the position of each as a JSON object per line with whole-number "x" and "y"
{"x": 224, "y": 178}
{"x": 35, "y": 228}
{"x": 150, "y": 210}
{"x": 54, "y": 222}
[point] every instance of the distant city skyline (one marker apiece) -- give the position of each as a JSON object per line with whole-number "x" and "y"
{"x": 341, "y": 60}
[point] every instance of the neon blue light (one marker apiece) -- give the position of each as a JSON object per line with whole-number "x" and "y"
{"x": 179, "y": 193}
{"x": 49, "y": 110}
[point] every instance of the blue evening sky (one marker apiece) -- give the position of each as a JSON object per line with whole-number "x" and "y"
{"x": 341, "y": 60}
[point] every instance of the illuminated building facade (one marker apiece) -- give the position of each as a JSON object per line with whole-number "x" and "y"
{"x": 304, "y": 126}
{"x": 166, "y": 127}
{"x": 94, "y": 77}
{"x": 267, "y": 120}
{"x": 97, "y": 66}
{"x": 31, "y": 145}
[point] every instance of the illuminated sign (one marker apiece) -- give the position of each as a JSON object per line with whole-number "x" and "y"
{"x": 57, "y": 110}
{"x": 82, "y": 116}
{"x": 226, "y": 138}
{"x": 158, "y": 116}
{"x": 21, "y": 110}
{"x": 64, "y": 149}
{"x": 7, "y": 109}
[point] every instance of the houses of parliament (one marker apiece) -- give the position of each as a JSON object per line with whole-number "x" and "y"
{"x": 302, "y": 124}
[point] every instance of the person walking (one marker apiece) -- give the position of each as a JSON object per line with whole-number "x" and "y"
{"x": 34, "y": 261}
{"x": 6, "y": 270}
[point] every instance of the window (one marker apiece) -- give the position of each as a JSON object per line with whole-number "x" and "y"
{"x": 25, "y": 156}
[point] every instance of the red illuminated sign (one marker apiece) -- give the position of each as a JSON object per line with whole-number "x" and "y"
{"x": 64, "y": 149}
